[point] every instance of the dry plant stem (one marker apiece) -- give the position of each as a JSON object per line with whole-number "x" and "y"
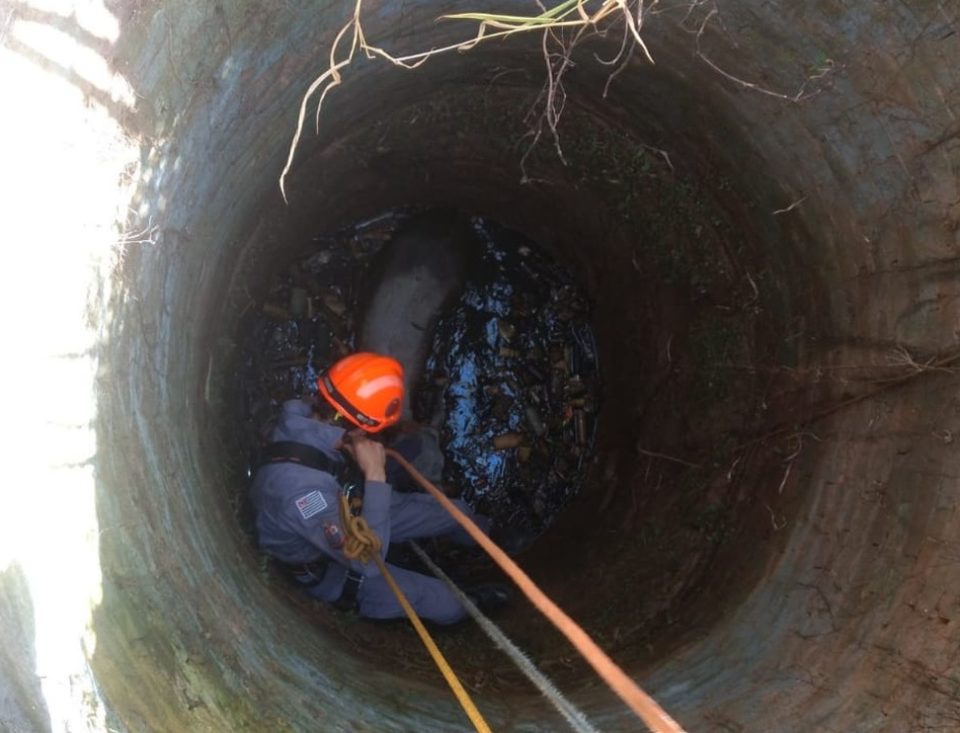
{"x": 634, "y": 25}
{"x": 938, "y": 365}
{"x": 791, "y": 207}
{"x": 620, "y": 69}
{"x": 555, "y": 93}
{"x": 623, "y": 49}
{"x": 902, "y": 357}
{"x": 628, "y": 47}
{"x": 553, "y": 83}
{"x": 550, "y": 94}
{"x": 777, "y": 526}
{"x": 334, "y": 73}
{"x": 788, "y": 462}
{"x": 664, "y": 456}
{"x": 550, "y": 22}
{"x": 800, "y": 95}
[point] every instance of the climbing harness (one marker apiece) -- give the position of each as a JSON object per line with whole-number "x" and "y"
{"x": 656, "y": 718}
{"x": 311, "y": 574}
{"x": 363, "y": 544}
{"x": 573, "y": 715}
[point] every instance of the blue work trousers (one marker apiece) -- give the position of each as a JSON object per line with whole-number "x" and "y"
{"x": 418, "y": 516}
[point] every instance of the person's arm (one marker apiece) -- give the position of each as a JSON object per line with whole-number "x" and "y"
{"x": 315, "y": 509}
{"x": 377, "y": 493}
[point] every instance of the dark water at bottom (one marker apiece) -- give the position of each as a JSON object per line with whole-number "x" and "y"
{"x": 514, "y": 373}
{"x": 512, "y": 382}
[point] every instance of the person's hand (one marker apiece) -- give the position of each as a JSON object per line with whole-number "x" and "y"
{"x": 369, "y": 455}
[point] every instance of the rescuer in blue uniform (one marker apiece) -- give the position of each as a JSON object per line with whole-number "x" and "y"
{"x": 296, "y": 494}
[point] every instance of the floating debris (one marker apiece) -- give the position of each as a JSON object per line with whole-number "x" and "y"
{"x": 334, "y": 303}
{"x": 512, "y": 381}
{"x": 521, "y": 381}
{"x": 318, "y": 259}
{"x": 533, "y": 419}
{"x": 298, "y": 302}
{"x": 580, "y": 428}
{"x": 276, "y": 312}
{"x": 507, "y": 441}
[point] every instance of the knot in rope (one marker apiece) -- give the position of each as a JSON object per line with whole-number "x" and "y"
{"x": 361, "y": 543}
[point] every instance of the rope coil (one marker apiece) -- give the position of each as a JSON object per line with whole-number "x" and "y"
{"x": 360, "y": 542}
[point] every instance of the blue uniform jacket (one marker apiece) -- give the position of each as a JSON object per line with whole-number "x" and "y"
{"x": 298, "y": 511}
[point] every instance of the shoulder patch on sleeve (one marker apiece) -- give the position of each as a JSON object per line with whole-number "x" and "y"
{"x": 311, "y": 504}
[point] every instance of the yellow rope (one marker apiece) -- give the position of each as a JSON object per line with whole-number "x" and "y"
{"x": 362, "y": 544}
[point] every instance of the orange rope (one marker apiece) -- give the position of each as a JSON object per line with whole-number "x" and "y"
{"x": 636, "y": 699}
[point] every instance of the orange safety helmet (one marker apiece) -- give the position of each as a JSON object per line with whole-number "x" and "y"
{"x": 367, "y": 389}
